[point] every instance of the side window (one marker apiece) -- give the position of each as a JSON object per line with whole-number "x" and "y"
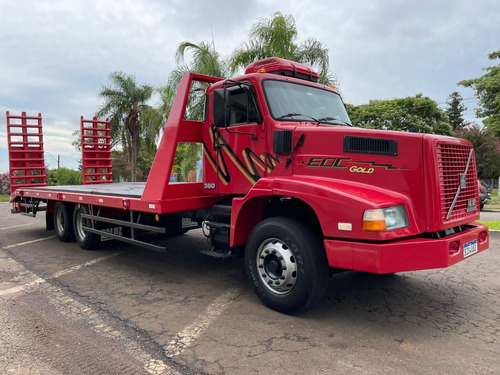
{"x": 241, "y": 111}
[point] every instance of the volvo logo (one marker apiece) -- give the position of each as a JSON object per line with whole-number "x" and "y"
{"x": 463, "y": 181}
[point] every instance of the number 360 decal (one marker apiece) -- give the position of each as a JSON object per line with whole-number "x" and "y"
{"x": 209, "y": 185}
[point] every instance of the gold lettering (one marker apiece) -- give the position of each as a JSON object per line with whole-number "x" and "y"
{"x": 356, "y": 169}
{"x": 315, "y": 162}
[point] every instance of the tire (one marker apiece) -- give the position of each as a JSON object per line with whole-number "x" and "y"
{"x": 86, "y": 240}
{"x": 63, "y": 222}
{"x": 481, "y": 207}
{"x": 286, "y": 264}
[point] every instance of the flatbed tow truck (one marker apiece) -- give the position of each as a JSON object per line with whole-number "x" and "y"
{"x": 288, "y": 182}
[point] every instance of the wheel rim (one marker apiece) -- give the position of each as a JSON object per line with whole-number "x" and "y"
{"x": 276, "y": 266}
{"x": 60, "y": 222}
{"x": 79, "y": 224}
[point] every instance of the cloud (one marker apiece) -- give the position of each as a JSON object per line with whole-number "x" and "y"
{"x": 57, "y": 54}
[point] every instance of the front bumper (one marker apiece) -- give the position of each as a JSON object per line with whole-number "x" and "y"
{"x": 404, "y": 255}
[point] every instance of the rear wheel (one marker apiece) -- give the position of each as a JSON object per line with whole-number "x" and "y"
{"x": 63, "y": 223}
{"x": 286, "y": 264}
{"x": 86, "y": 240}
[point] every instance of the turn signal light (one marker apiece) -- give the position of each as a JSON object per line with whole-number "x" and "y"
{"x": 374, "y": 221}
{"x": 374, "y": 225}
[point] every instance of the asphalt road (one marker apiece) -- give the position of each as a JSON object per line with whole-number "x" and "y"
{"x": 122, "y": 310}
{"x": 490, "y": 215}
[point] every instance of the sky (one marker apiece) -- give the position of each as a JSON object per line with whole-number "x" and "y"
{"x": 55, "y": 55}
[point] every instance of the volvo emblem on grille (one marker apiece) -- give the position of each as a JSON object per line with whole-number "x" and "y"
{"x": 463, "y": 181}
{"x": 471, "y": 205}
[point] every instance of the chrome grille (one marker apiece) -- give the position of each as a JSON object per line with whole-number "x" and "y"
{"x": 452, "y": 162}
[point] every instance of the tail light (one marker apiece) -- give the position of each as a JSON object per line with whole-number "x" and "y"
{"x": 454, "y": 248}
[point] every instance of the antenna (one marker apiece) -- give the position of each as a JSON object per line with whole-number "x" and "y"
{"x": 213, "y": 39}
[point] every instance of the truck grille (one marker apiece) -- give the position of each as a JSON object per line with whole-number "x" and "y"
{"x": 452, "y": 162}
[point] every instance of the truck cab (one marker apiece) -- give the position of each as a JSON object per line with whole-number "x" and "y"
{"x": 281, "y": 147}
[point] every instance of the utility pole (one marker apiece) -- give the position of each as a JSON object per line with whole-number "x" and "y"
{"x": 58, "y": 161}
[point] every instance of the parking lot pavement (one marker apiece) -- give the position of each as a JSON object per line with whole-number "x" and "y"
{"x": 490, "y": 215}
{"x": 123, "y": 310}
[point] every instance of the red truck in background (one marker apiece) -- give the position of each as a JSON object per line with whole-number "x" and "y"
{"x": 288, "y": 181}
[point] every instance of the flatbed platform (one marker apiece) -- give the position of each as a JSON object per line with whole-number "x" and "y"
{"x": 119, "y": 189}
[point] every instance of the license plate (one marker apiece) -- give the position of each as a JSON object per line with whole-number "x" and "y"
{"x": 470, "y": 248}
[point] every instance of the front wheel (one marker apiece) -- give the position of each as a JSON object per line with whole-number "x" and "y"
{"x": 86, "y": 240}
{"x": 286, "y": 264}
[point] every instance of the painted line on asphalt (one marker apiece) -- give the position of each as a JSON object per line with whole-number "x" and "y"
{"x": 190, "y": 333}
{"x": 75, "y": 310}
{"x": 39, "y": 280}
{"x": 86, "y": 264}
{"x": 28, "y": 242}
{"x": 16, "y": 226}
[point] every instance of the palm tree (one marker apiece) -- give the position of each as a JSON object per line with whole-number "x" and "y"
{"x": 124, "y": 102}
{"x": 276, "y": 37}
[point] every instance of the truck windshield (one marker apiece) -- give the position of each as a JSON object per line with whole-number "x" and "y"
{"x": 297, "y": 102}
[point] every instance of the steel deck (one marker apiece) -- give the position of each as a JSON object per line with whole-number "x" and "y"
{"x": 121, "y": 189}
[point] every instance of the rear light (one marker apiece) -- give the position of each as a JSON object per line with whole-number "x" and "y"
{"x": 454, "y": 247}
{"x": 483, "y": 237}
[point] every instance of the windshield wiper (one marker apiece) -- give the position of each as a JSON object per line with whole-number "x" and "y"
{"x": 296, "y": 115}
{"x": 334, "y": 120}
{"x": 327, "y": 120}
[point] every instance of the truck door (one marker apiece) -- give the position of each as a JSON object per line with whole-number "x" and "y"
{"x": 234, "y": 152}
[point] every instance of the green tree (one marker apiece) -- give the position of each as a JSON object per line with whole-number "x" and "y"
{"x": 124, "y": 102}
{"x": 455, "y": 111}
{"x": 204, "y": 60}
{"x": 64, "y": 176}
{"x": 486, "y": 148}
{"x": 487, "y": 89}
{"x": 277, "y": 36}
{"x": 417, "y": 114}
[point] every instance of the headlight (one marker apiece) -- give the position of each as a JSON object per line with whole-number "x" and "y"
{"x": 384, "y": 219}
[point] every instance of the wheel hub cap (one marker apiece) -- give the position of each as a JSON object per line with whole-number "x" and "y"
{"x": 276, "y": 266}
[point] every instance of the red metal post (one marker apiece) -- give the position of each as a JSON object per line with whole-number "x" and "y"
{"x": 96, "y": 151}
{"x": 26, "y": 156}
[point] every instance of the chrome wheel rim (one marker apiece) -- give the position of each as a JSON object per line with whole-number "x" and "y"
{"x": 79, "y": 225}
{"x": 277, "y": 267}
{"x": 60, "y": 222}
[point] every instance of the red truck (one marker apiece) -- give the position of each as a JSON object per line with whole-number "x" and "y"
{"x": 288, "y": 181}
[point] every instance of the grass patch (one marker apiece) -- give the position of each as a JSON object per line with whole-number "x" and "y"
{"x": 495, "y": 225}
{"x": 494, "y": 197}
{"x": 4, "y": 198}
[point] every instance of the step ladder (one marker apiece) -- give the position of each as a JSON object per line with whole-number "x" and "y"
{"x": 26, "y": 155}
{"x": 96, "y": 151}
